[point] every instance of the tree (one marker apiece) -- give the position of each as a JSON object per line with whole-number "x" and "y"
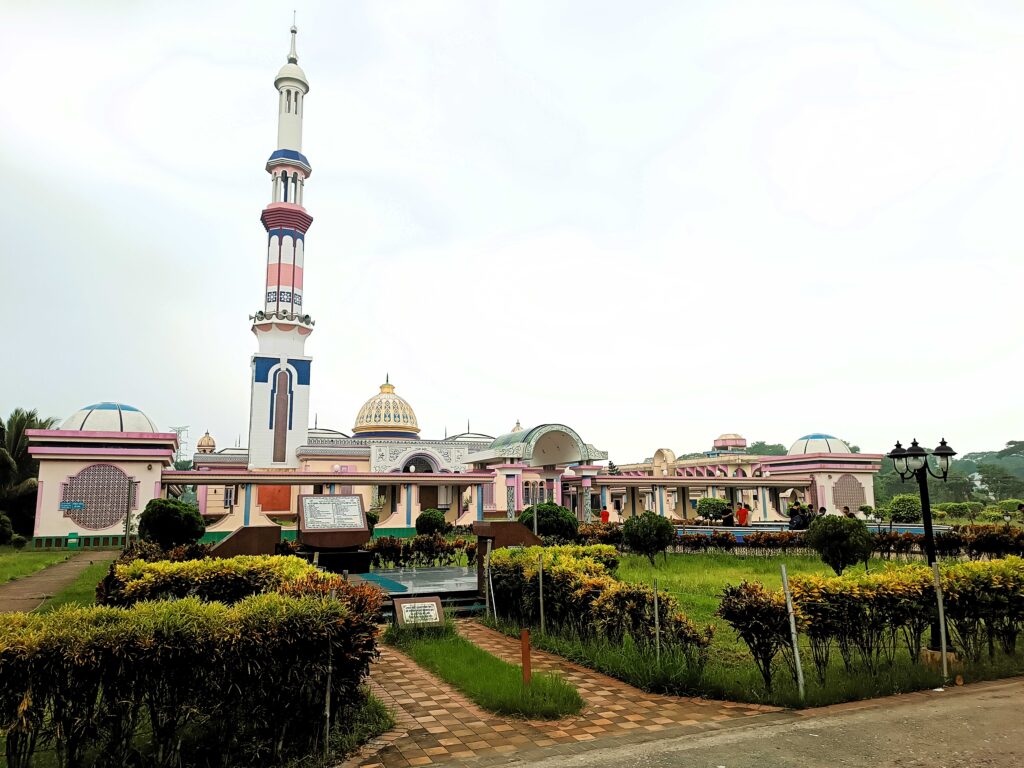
{"x": 1013, "y": 448}
{"x": 711, "y": 508}
{"x": 648, "y": 534}
{"x": 183, "y": 465}
{"x": 18, "y": 470}
{"x": 6, "y": 531}
{"x": 761, "y": 448}
{"x": 431, "y": 521}
{"x": 840, "y": 541}
{"x": 613, "y": 469}
{"x": 1000, "y": 482}
{"x": 552, "y": 520}
{"x": 170, "y": 523}
{"x": 904, "y": 508}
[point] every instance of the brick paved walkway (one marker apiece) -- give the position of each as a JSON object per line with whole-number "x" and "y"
{"x": 438, "y": 725}
{"x": 28, "y": 593}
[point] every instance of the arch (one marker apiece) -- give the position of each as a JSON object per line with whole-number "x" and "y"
{"x": 287, "y": 101}
{"x": 554, "y": 444}
{"x": 421, "y": 461}
{"x": 663, "y": 459}
{"x": 848, "y": 492}
{"x": 284, "y": 184}
{"x": 739, "y": 472}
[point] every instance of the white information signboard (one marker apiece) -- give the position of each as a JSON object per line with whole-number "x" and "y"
{"x": 332, "y": 513}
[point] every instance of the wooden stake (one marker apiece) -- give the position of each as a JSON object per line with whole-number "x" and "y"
{"x": 792, "y": 633}
{"x": 524, "y": 643}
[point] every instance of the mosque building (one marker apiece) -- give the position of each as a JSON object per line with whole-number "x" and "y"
{"x": 105, "y": 462}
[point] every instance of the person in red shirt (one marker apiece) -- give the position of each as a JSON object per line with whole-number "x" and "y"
{"x": 742, "y": 515}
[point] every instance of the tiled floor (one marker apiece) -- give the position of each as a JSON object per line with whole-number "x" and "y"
{"x": 437, "y": 725}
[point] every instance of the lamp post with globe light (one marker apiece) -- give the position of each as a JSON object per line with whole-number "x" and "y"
{"x": 913, "y": 462}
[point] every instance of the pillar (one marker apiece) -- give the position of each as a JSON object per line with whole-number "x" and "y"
{"x": 683, "y": 502}
{"x": 248, "y": 504}
{"x": 407, "y": 492}
{"x": 585, "y": 510}
{"x": 479, "y": 501}
{"x": 558, "y": 490}
{"x": 510, "y": 497}
{"x": 762, "y": 497}
{"x": 632, "y": 501}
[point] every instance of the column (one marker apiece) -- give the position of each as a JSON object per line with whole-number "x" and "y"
{"x": 762, "y": 497}
{"x": 479, "y": 501}
{"x": 683, "y": 502}
{"x": 248, "y": 504}
{"x": 510, "y": 497}
{"x": 585, "y": 510}
{"x": 661, "y": 500}
{"x": 407, "y": 492}
{"x": 558, "y": 490}
{"x": 632, "y": 501}
{"x": 604, "y": 501}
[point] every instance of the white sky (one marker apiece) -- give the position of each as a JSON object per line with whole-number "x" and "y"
{"x": 654, "y": 222}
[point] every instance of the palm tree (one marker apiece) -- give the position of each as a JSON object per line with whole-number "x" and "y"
{"x": 18, "y": 470}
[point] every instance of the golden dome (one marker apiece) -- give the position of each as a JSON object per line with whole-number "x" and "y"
{"x": 206, "y": 444}
{"x": 386, "y": 415}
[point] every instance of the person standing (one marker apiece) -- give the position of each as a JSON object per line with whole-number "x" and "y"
{"x": 743, "y": 515}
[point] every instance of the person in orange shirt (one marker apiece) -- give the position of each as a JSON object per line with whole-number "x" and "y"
{"x": 742, "y": 515}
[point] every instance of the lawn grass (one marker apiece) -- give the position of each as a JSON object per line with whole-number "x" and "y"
{"x": 494, "y": 684}
{"x": 16, "y": 564}
{"x": 82, "y": 591}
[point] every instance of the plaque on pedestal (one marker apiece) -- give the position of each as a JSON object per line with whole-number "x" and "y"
{"x": 327, "y": 522}
{"x": 418, "y": 611}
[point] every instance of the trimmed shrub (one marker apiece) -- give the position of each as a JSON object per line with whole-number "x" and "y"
{"x": 648, "y": 534}
{"x": 761, "y": 620}
{"x": 424, "y": 551}
{"x": 552, "y": 520}
{"x": 711, "y": 508}
{"x": 226, "y": 580}
{"x": 18, "y": 541}
{"x": 170, "y": 523}
{"x": 431, "y": 521}
{"x": 181, "y": 682}
{"x": 6, "y": 529}
{"x": 904, "y": 508}
{"x": 600, "y": 533}
{"x": 840, "y": 541}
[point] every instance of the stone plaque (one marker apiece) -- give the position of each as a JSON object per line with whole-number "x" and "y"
{"x": 422, "y": 611}
{"x": 329, "y": 522}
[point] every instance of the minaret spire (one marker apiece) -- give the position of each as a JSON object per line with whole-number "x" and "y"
{"x": 293, "y": 57}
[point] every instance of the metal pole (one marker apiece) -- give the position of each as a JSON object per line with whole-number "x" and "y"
{"x": 540, "y": 578}
{"x": 657, "y": 627}
{"x": 929, "y": 540}
{"x": 487, "y": 578}
{"x": 942, "y": 622}
{"x": 792, "y": 633}
{"x": 535, "y": 518}
{"x": 327, "y": 698}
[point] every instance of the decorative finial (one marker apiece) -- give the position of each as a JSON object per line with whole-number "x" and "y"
{"x": 387, "y": 378}
{"x": 293, "y": 57}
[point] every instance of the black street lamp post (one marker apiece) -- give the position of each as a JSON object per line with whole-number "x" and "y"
{"x": 913, "y": 462}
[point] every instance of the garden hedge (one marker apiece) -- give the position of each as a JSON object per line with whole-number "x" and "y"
{"x": 180, "y": 682}
{"x": 422, "y": 551}
{"x": 580, "y": 596}
{"x": 227, "y": 580}
{"x": 866, "y": 618}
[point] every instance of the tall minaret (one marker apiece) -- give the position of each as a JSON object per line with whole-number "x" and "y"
{"x": 279, "y": 406}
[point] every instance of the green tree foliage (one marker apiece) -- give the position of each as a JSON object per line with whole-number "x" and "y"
{"x": 431, "y": 521}
{"x": 648, "y": 534}
{"x": 840, "y": 541}
{"x": 904, "y": 508}
{"x": 613, "y": 469}
{"x": 552, "y": 520}
{"x": 999, "y": 481}
{"x": 170, "y": 523}
{"x": 6, "y": 531}
{"x": 18, "y": 470}
{"x": 711, "y": 508}
{"x": 761, "y": 448}
{"x": 1013, "y": 448}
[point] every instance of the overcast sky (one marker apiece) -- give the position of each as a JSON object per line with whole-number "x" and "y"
{"x": 652, "y": 221}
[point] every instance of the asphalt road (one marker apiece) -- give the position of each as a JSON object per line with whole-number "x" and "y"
{"x": 980, "y": 726}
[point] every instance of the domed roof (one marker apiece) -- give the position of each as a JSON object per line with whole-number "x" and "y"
{"x": 109, "y": 417}
{"x": 818, "y": 443}
{"x": 206, "y": 444}
{"x": 730, "y": 440}
{"x": 291, "y": 72}
{"x": 386, "y": 415}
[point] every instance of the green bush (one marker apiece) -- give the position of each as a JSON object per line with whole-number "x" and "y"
{"x": 648, "y": 534}
{"x": 840, "y": 541}
{"x": 423, "y": 551}
{"x": 6, "y": 529}
{"x": 904, "y": 508}
{"x": 431, "y": 521}
{"x": 711, "y": 508}
{"x": 552, "y": 520}
{"x": 170, "y": 523}
{"x": 181, "y": 682}
{"x": 18, "y": 541}
{"x": 227, "y": 580}
{"x": 1009, "y": 505}
{"x": 600, "y": 533}
{"x": 991, "y": 514}
{"x": 372, "y": 518}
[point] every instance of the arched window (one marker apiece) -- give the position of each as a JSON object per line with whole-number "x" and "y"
{"x": 295, "y": 188}
{"x": 287, "y": 101}
{"x": 297, "y": 102}
{"x": 284, "y": 185}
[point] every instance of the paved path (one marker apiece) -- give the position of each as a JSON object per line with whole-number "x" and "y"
{"x": 437, "y": 725}
{"x": 977, "y": 726}
{"x": 28, "y": 593}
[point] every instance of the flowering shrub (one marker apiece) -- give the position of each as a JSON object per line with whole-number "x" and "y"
{"x": 423, "y": 551}
{"x": 760, "y": 618}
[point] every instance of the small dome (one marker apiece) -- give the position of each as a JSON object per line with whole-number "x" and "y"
{"x": 518, "y": 427}
{"x": 818, "y": 443}
{"x": 291, "y": 72}
{"x": 386, "y": 415}
{"x": 109, "y": 417}
{"x": 730, "y": 440}
{"x": 206, "y": 444}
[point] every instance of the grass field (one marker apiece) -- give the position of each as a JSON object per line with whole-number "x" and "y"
{"x": 696, "y": 580}
{"x": 494, "y": 684}
{"x": 82, "y": 591}
{"x": 15, "y": 564}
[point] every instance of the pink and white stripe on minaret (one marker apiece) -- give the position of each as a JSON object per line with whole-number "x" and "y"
{"x": 279, "y": 411}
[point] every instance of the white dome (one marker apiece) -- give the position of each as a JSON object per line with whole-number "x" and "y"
{"x": 109, "y": 417}
{"x": 818, "y": 443}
